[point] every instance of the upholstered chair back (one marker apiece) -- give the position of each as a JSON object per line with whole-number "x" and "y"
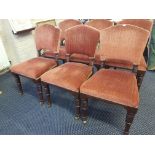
{"x": 47, "y": 37}
{"x": 123, "y": 42}
{"x": 68, "y": 23}
{"x": 81, "y": 39}
{"x": 100, "y": 23}
{"x": 143, "y": 23}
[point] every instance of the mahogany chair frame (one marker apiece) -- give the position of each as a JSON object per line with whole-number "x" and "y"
{"x": 77, "y": 98}
{"x": 131, "y": 112}
{"x": 140, "y": 73}
{"x": 37, "y": 82}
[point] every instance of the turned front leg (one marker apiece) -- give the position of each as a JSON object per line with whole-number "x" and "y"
{"x": 47, "y": 91}
{"x": 77, "y": 106}
{"x": 84, "y": 108}
{"x": 40, "y": 91}
{"x": 131, "y": 112}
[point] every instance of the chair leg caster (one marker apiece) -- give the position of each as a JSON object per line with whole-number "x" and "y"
{"x": 84, "y": 122}
{"x": 41, "y": 103}
{"x": 21, "y": 93}
{"x": 77, "y": 117}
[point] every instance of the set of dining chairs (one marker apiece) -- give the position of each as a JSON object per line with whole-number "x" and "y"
{"x": 115, "y": 50}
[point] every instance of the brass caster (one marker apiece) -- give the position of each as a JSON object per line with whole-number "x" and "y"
{"x": 41, "y": 103}
{"x": 77, "y": 117}
{"x": 84, "y": 122}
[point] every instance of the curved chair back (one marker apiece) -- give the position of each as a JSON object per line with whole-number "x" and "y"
{"x": 100, "y": 23}
{"x": 81, "y": 39}
{"x": 64, "y": 25}
{"x": 143, "y": 23}
{"x": 47, "y": 37}
{"x": 123, "y": 42}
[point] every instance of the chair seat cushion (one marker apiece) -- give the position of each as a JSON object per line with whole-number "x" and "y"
{"x": 69, "y": 75}
{"x": 113, "y": 85}
{"x": 33, "y": 68}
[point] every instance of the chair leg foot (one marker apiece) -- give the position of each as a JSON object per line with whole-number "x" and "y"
{"x": 131, "y": 112}
{"x": 47, "y": 91}
{"x": 40, "y": 92}
{"x": 19, "y": 85}
{"x": 84, "y": 108}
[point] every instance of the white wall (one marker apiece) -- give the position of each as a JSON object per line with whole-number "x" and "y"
{"x": 19, "y": 47}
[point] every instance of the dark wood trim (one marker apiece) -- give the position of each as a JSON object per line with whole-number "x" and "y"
{"x": 84, "y": 108}
{"x": 135, "y": 69}
{"x": 39, "y": 53}
{"x": 48, "y": 95}
{"x": 140, "y": 77}
{"x": 18, "y": 81}
{"x": 131, "y": 112}
{"x": 37, "y": 82}
{"x": 77, "y": 104}
{"x": 39, "y": 91}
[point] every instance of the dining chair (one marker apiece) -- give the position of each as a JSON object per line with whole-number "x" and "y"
{"x": 147, "y": 25}
{"x": 80, "y": 39}
{"x": 46, "y": 38}
{"x": 119, "y": 87}
{"x": 63, "y": 26}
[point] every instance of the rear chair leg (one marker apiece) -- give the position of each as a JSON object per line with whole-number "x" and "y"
{"x": 19, "y": 85}
{"x": 84, "y": 108}
{"x": 140, "y": 77}
{"x": 47, "y": 91}
{"x": 40, "y": 91}
{"x": 77, "y": 106}
{"x": 131, "y": 112}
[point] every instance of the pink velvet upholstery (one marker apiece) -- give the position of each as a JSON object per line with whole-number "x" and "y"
{"x": 100, "y": 23}
{"x": 33, "y": 68}
{"x": 81, "y": 39}
{"x": 65, "y": 24}
{"x": 123, "y": 42}
{"x": 113, "y": 85}
{"x": 47, "y": 38}
{"x": 69, "y": 76}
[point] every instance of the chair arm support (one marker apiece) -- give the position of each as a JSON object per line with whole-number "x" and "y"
{"x": 91, "y": 61}
{"x": 67, "y": 57}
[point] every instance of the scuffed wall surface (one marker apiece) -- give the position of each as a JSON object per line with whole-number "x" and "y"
{"x": 19, "y": 47}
